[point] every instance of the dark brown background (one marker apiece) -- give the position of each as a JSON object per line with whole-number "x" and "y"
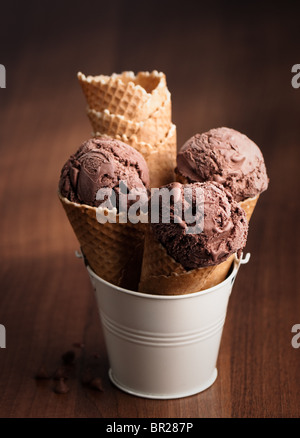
{"x": 226, "y": 65}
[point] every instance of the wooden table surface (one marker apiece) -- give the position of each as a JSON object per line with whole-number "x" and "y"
{"x": 225, "y": 66}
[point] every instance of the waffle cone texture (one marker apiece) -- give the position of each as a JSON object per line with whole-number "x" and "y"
{"x": 249, "y": 205}
{"x": 112, "y": 250}
{"x": 162, "y": 275}
{"x": 135, "y": 109}
{"x": 136, "y": 97}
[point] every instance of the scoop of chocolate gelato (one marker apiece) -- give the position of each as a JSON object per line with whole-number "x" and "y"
{"x": 102, "y": 163}
{"x": 223, "y": 222}
{"x": 227, "y": 157}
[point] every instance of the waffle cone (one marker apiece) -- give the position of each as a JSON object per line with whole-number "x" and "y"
{"x": 152, "y": 130}
{"x": 161, "y": 162}
{"x": 162, "y": 275}
{"x": 135, "y": 97}
{"x": 249, "y": 205}
{"x": 160, "y": 157}
{"x": 137, "y": 111}
{"x": 112, "y": 250}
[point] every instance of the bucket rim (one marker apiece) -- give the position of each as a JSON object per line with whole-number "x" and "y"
{"x": 230, "y": 279}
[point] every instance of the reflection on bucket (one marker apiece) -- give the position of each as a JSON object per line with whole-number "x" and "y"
{"x": 159, "y": 346}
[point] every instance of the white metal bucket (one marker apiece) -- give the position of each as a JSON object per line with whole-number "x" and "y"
{"x": 163, "y": 347}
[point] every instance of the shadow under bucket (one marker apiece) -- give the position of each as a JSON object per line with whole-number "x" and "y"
{"x": 163, "y": 347}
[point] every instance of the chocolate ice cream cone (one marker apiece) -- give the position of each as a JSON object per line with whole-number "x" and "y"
{"x": 178, "y": 260}
{"x": 228, "y": 157}
{"x": 90, "y": 190}
{"x": 110, "y": 249}
{"x": 162, "y": 275}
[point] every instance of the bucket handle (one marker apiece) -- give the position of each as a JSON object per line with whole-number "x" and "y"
{"x": 78, "y": 254}
{"x": 242, "y": 261}
{"x": 246, "y": 259}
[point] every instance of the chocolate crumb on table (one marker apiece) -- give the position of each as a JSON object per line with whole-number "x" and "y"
{"x": 61, "y": 387}
{"x": 42, "y": 373}
{"x": 67, "y": 370}
{"x": 96, "y": 383}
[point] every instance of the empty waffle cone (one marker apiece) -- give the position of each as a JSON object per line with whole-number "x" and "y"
{"x": 160, "y": 157}
{"x": 162, "y": 275}
{"x": 135, "y": 97}
{"x": 161, "y": 161}
{"x": 151, "y": 130}
{"x": 112, "y": 250}
{"x": 142, "y": 117}
{"x": 248, "y": 205}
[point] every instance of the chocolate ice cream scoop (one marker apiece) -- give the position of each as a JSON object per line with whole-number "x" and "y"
{"x": 227, "y": 157}
{"x": 223, "y": 222}
{"x": 102, "y": 163}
